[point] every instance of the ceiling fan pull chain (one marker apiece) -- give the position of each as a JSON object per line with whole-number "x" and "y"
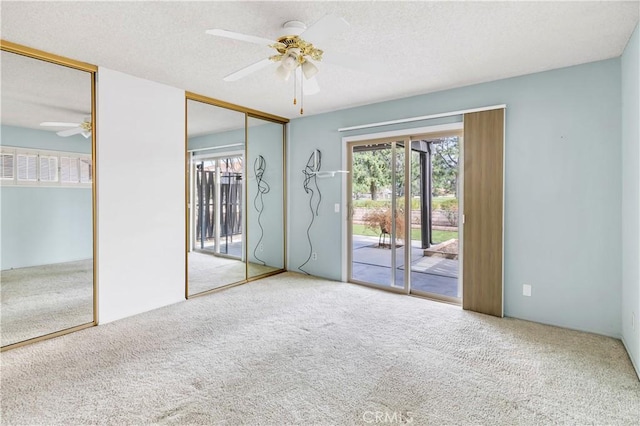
{"x": 295, "y": 81}
{"x": 301, "y": 94}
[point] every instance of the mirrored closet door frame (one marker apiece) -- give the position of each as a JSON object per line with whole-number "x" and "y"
{"x": 18, "y": 49}
{"x": 248, "y": 113}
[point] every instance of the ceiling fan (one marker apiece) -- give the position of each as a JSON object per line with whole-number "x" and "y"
{"x": 83, "y": 128}
{"x": 294, "y": 51}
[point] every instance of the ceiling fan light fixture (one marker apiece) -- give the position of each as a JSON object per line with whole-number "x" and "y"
{"x": 293, "y": 52}
{"x": 309, "y": 70}
{"x": 290, "y": 59}
{"x": 283, "y": 72}
{"x": 289, "y": 62}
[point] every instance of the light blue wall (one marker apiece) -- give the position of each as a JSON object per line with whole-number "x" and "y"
{"x": 218, "y": 139}
{"x": 41, "y": 139}
{"x": 562, "y": 188}
{"x": 41, "y": 226}
{"x": 631, "y": 198}
{"x": 44, "y": 225}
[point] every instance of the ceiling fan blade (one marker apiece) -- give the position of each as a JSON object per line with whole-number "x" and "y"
{"x": 248, "y": 70}
{"x": 58, "y": 124}
{"x": 328, "y": 26}
{"x": 70, "y": 132}
{"x": 242, "y": 37}
{"x": 347, "y": 60}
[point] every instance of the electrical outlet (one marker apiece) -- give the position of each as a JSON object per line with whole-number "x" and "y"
{"x": 526, "y": 290}
{"x": 314, "y": 256}
{"x": 336, "y": 208}
{"x": 633, "y": 320}
{"x": 261, "y": 247}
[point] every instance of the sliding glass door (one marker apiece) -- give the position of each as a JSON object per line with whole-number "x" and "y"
{"x": 218, "y": 201}
{"x": 403, "y": 221}
{"x": 377, "y": 223}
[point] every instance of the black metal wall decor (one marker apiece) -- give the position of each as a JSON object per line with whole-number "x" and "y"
{"x": 310, "y": 185}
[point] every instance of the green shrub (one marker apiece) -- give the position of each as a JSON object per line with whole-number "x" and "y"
{"x": 379, "y": 204}
{"x": 447, "y": 204}
{"x": 369, "y": 204}
{"x": 443, "y": 203}
{"x": 438, "y": 203}
{"x": 415, "y": 203}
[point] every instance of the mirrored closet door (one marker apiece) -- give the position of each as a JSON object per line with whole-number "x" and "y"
{"x": 216, "y": 187}
{"x": 235, "y": 194}
{"x": 265, "y": 192}
{"x": 46, "y": 196}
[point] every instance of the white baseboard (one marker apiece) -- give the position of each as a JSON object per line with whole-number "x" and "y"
{"x": 635, "y": 366}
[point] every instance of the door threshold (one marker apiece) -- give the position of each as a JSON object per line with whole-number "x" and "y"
{"x": 379, "y": 287}
{"x": 456, "y": 301}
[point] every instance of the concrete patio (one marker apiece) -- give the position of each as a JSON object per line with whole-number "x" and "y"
{"x": 433, "y": 275}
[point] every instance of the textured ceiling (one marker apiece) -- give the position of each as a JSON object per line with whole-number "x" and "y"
{"x": 203, "y": 118}
{"x": 419, "y": 47}
{"x": 34, "y": 91}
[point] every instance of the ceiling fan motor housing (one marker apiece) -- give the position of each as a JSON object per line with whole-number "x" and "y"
{"x": 294, "y": 27}
{"x": 303, "y": 49}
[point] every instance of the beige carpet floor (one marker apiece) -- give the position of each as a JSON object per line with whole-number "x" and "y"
{"x": 208, "y": 272}
{"x": 40, "y": 300}
{"x": 295, "y": 350}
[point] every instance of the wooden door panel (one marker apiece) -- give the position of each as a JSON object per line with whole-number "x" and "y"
{"x": 483, "y": 210}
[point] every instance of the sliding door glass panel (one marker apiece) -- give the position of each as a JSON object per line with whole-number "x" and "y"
{"x": 435, "y": 194}
{"x": 230, "y": 200}
{"x": 265, "y": 197}
{"x": 399, "y": 224}
{"x": 372, "y": 188}
{"x": 46, "y": 179}
{"x": 215, "y": 145}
